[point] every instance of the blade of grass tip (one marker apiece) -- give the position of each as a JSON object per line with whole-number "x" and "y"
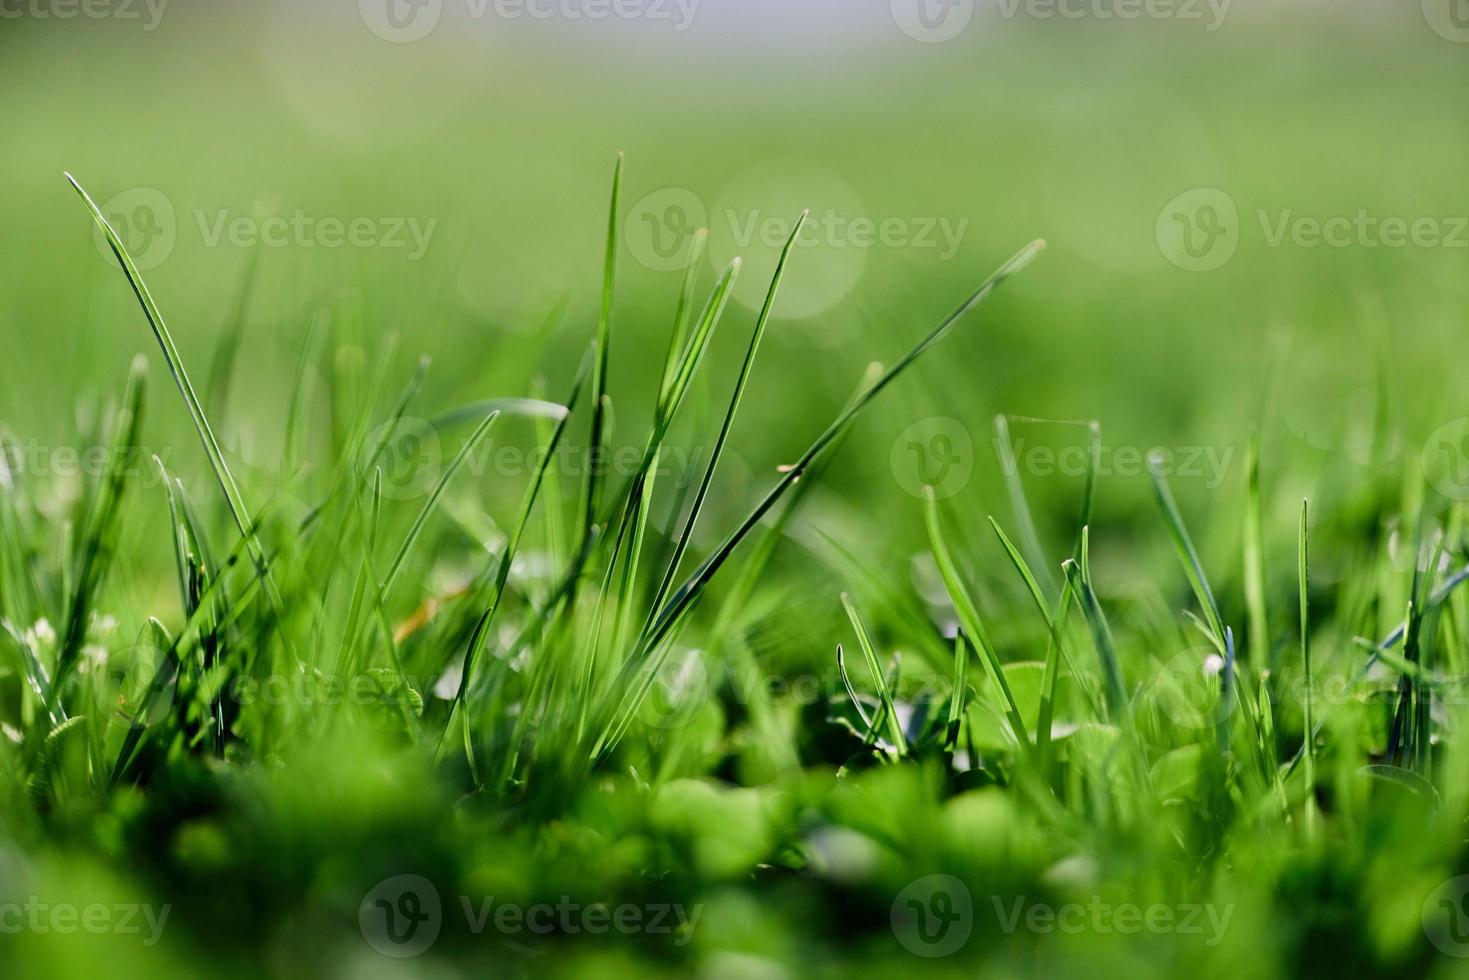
{"x": 1094, "y": 469}
{"x": 1055, "y": 649}
{"x": 592, "y": 499}
{"x": 961, "y": 691}
{"x": 737, "y": 599}
{"x": 729, "y": 416}
{"x": 1192, "y": 567}
{"x": 1303, "y": 568}
{"x": 969, "y": 620}
{"x": 1019, "y": 502}
{"x": 1261, "y": 655}
{"x": 432, "y": 503}
{"x": 635, "y": 491}
{"x": 99, "y": 544}
{"x": 636, "y": 497}
{"x": 692, "y": 589}
{"x": 867, "y": 723}
{"x": 683, "y": 314}
{"x": 231, "y": 491}
{"x": 1116, "y": 687}
{"x": 895, "y": 728}
{"x": 1440, "y": 596}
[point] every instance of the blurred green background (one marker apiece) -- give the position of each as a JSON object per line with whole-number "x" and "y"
{"x": 1159, "y": 156}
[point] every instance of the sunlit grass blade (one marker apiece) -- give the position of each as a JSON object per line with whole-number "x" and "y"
{"x": 970, "y": 622}
{"x": 1303, "y": 568}
{"x": 591, "y": 490}
{"x": 100, "y": 534}
{"x": 432, "y": 503}
{"x": 1078, "y": 574}
{"x": 895, "y": 728}
{"x": 231, "y": 490}
{"x": 1192, "y": 567}
{"x": 728, "y": 423}
{"x": 1261, "y": 655}
{"x": 687, "y": 594}
{"x": 691, "y": 588}
{"x": 960, "y": 695}
{"x": 507, "y": 562}
{"x": 867, "y": 720}
{"x": 1019, "y": 503}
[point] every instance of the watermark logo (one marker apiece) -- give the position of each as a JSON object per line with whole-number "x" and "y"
{"x": 408, "y": 454}
{"x": 145, "y": 221}
{"x": 1446, "y": 459}
{"x": 660, "y": 228}
{"x": 680, "y": 686}
{"x": 401, "y": 21}
{"x": 933, "y": 21}
{"x": 1449, "y": 19}
{"x": 1198, "y": 231}
{"x": 1446, "y": 917}
{"x": 148, "y": 225}
{"x": 1186, "y": 688}
{"x": 933, "y": 916}
{"x": 401, "y": 916}
{"x": 935, "y": 453}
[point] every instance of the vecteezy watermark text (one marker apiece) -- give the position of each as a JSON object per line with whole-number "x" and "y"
{"x": 660, "y": 226}
{"x": 934, "y": 917}
{"x": 405, "y": 21}
{"x": 97, "y": 918}
{"x": 403, "y": 916}
{"x": 148, "y": 225}
{"x": 37, "y": 460}
{"x": 937, "y": 21}
{"x": 1200, "y": 230}
{"x": 1103, "y": 918}
{"x": 149, "y": 12}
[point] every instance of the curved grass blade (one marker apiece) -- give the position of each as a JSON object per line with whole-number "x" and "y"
{"x": 969, "y": 619}
{"x": 895, "y": 728}
{"x": 1116, "y": 687}
{"x": 231, "y": 490}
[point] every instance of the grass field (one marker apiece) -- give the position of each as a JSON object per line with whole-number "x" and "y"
{"x": 734, "y": 489}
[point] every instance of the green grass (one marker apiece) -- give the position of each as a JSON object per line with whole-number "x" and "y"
{"x": 587, "y": 695}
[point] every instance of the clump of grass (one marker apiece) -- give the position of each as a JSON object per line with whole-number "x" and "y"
{"x": 575, "y": 691}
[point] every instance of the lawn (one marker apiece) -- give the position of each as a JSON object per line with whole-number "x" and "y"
{"x": 733, "y": 489}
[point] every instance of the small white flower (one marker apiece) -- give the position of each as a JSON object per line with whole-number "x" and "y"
{"x": 1213, "y": 665}
{"x": 42, "y": 634}
{"x": 93, "y": 658}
